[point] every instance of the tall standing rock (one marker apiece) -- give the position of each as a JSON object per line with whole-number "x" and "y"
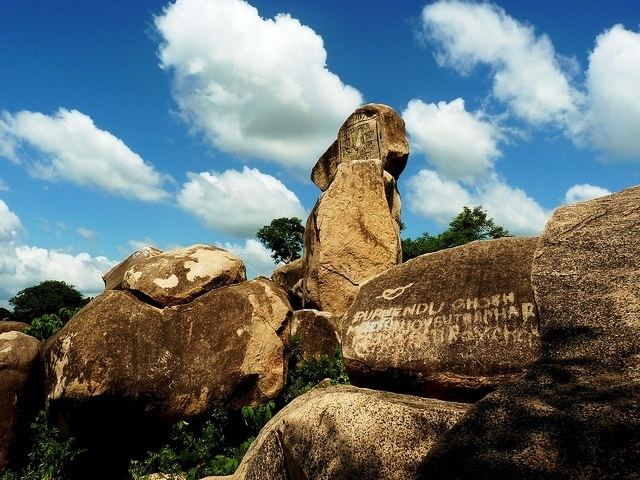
{"x": 353, "y": 231}
{"x": 576, "y": 414}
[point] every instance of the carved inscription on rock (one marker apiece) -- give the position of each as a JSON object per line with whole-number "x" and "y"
{"x": 359, "y": 141}
{"x": 431, "y": 325}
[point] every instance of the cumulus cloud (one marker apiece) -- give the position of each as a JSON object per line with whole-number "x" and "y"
{"x": 582, "y": 192}
{"x": 10, "y": 224}
{"x": 237, "y": 202}
{"x": 255, "y": 87}
{"x": 612, "y": 119}
{"x": 22, "y": 266}
{"x": 459, "y": 144}
{"x": 528, "y": 75}
{"x": 68, "y": 146}
{"x": 440, "y": 199}
{"x": 256, "y": 257}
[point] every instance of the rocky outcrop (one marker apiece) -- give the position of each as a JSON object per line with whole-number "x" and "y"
{"x": 347, "y": 432}
{"x": 315, "y": 333}
{"x": 113, "y": 278}
{"x": 350, "y": 236}
{"x": 222, "y": 348}
{"x": 451, "y": 324}
{"x": 10, "y": 326}
{"x": 18, "y": 392}
{"x": 180, "y": 275}
{"x": 576, "y": 414}
{"x": 371, "y": 132}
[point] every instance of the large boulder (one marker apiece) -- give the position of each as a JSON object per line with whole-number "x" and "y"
{"x": 122, "y": 368}
{"x": 350, "y": 235}
{"x": 371, "y": 132}
{"x": 180, "y": 275}
{"x": 348, "y": 433}
{"x": 576, "y": 414}
{"x": 113, "y": 278}
{"x": 18, "y": 389}
{"x": 451, "y": 324}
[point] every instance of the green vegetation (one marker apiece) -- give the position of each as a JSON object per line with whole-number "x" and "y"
{"x": 45, "y": 326}
{"x": 467, "y": 226}
{"x": 45, "y": 299}
{"x": 207, "y": 450}
{"x": 284, "y": 237}
{"x": 5, "y": 314}
{"x": 49, "y": 457}
{"x": 304, "y": 374}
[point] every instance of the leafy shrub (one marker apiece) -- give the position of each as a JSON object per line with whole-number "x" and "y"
{"x": 304, "y": 374}
{"x": 199, "y": 452}
{"x": 49, "y": 456}
{"x": 48, "y": 324}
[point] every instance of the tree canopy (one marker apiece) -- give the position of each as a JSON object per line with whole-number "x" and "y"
{"x": 46, "y": 298}
{"x": 467, "y": 226}
{"x": 284, "y": 237}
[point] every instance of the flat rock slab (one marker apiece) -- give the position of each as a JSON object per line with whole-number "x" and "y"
{"x": 576, "y": 414}
{"x": 371, "y": 132}
{"x": 181, "y": 275}
{"x": 349, "y": 433}
{"x": 18, "y": 372}
{"x": 451, "y": 324}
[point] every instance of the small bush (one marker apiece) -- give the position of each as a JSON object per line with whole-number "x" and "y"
{"x": 304, "y": 374}
{"x": 49, "y": 456}
{"x": 47, "y": 325}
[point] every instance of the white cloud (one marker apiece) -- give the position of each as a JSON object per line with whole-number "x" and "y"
{"x": 4, "y": 186}
{"x": 612, "y": 120}
{"x": 431, "y": 196}
{"x": 582, "y": 192}
{"x": 256, "y": 257}
{"x": 255, "y": 87}
{"x": 236, "y": 202}
{"x": 69, "y": 146}
{"x": 10, "y": 224}
{"x": 527, "y": 73}
{"x": 23, "y": 266}
{"x": 439, "y": 199}
{"x": 86, "y": 233}
{"x": 459, "y": 144}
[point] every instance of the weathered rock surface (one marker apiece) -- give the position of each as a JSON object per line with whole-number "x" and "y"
{"x": 221, "y": 348}
{"x": 350, "y": 236}
{"x": 371, "y": 132}
{"x": 180, "y": 275}
{"x": 316, "y": 332}
{"x": 348, "y": 433}
{"x": 18, "y": 372}
{"x": 113, "y": 278}
{"x": 124, "y": 369}
{"x": 576, "y": 414}
{"x": 10, "y": 326}
{"x": 289, "y": 277}
{"x": 451, "y": 324}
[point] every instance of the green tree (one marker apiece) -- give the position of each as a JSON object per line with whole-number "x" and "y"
{"x": 467, "y": 226}
{"x": 46, "y": 298}
{"x": 284, "y": 237}
{"x": 5, "y": 314}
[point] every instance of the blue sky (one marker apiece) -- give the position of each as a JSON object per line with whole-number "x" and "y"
{"x": 130, "y": 123}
